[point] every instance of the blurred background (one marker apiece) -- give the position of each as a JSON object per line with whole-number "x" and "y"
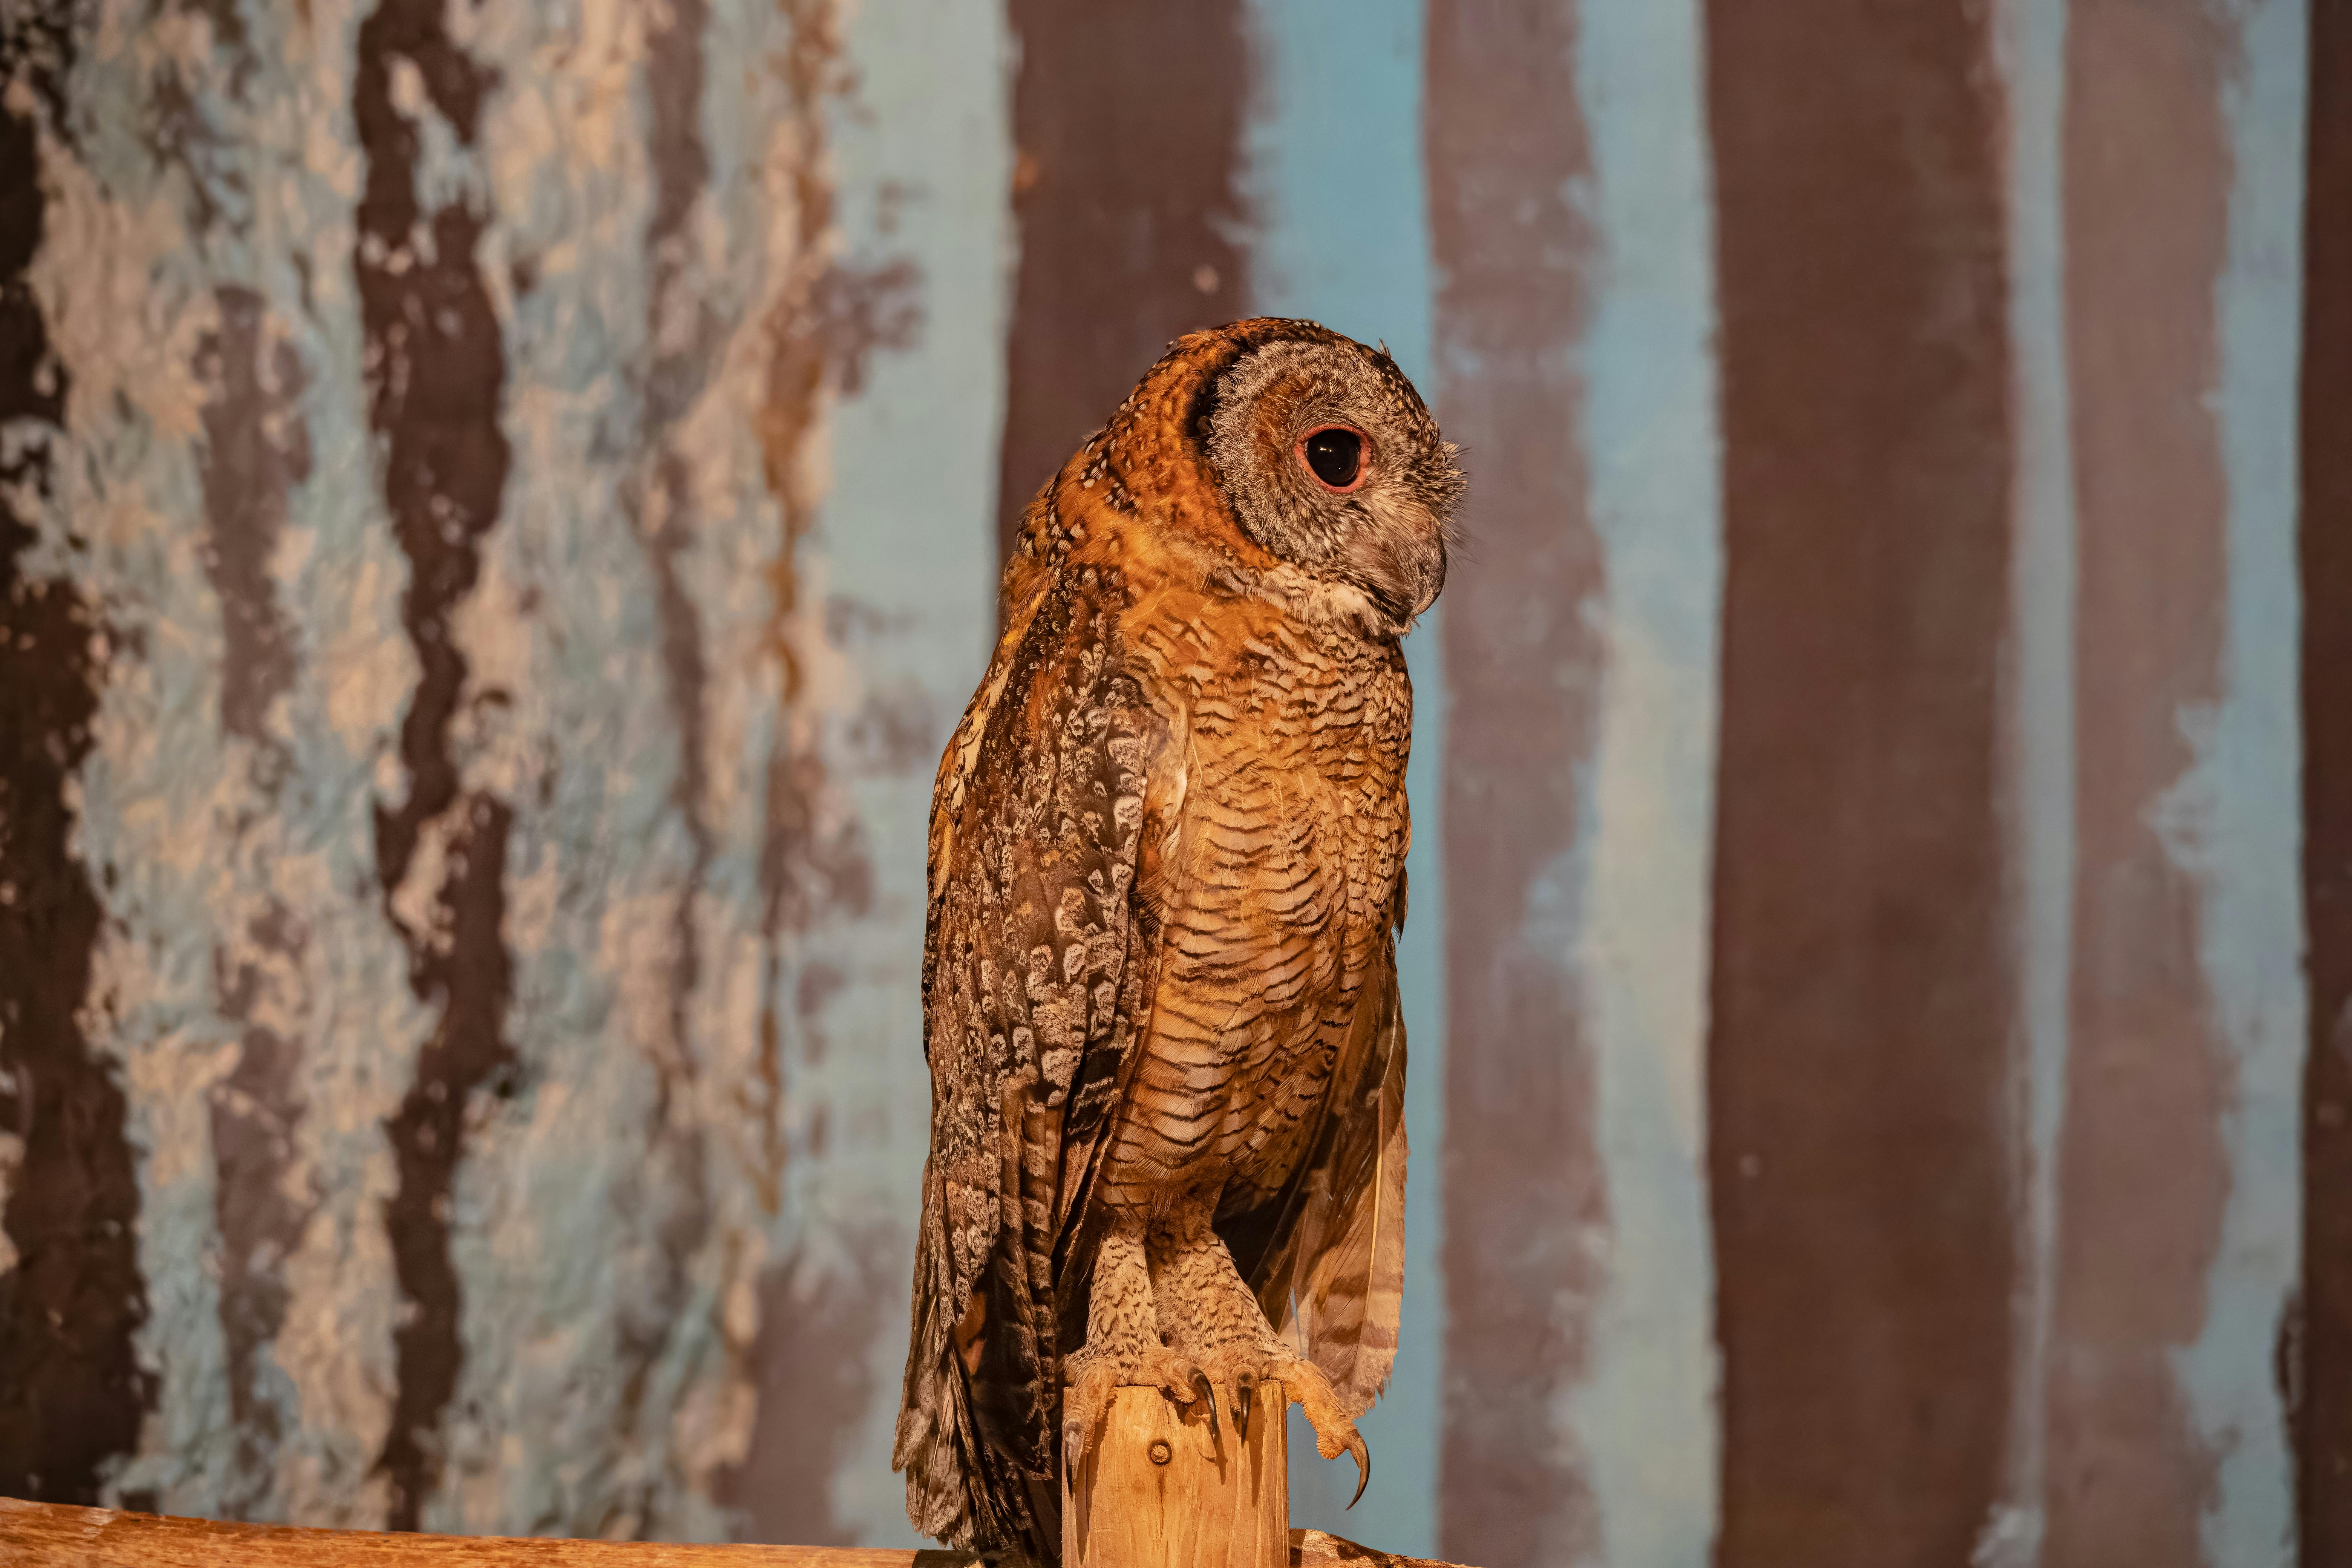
{"x": 499, "y": 509}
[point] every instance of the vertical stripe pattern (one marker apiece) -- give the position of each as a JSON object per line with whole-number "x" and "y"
{"x": 1339, "y": 234}
{"x": 2174, "y": 1254}
{"x": 2316, "y": 1360}
{"x": 71, "y": 1390}
{"x": 1645, "y": 1409}
{"x": 1127, "y": 199}
{"x": 500, "y": 505}
{"x": 1526, "y": 1207}
{"x": 1863, "y": 988}
{"x": 436, "y": 372}
{"x": 2031, "y": 44}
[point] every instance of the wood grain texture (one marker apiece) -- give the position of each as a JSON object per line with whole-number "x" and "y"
{"x": 49, "y": 1535}
{"x": 54, "y": 1535}
{"x": 1165, "y": 1490}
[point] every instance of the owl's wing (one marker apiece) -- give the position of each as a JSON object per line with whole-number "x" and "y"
{"x": 1037, "y": 974}
{"x": 1327, "y": 1257}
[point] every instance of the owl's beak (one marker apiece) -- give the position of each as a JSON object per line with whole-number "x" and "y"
{"x": 1432, "y": 577}
{"x": 1415, "y": 574}
{"x": 1400, "y": 559}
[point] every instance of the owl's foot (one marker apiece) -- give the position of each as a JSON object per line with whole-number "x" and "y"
{"x": 1095, "y": 1375}
{"x": 1123, "y": 1346}
{"x": 1235, "y": 1369}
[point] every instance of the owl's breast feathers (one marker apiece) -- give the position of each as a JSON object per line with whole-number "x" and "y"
{"x": 1165, "y": 874}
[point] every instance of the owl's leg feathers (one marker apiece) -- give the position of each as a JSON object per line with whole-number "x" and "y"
{"x": 1123, "y": 1346}
{"x": 1216, "y": 1320}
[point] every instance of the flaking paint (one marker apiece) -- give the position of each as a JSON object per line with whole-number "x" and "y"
{"x": 2250, "y": 940}
{"x": 2030, "y": 52}
{"x": 1644, "y": 1410}
{"x": 677, "y": 1237}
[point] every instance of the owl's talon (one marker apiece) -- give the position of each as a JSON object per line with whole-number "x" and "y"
{"x": 1245, "y": 1395}
{"x": 1084, "y": 1405}
{"x": 1363, "y": 1454}
{"x": 1200, "y": 1388}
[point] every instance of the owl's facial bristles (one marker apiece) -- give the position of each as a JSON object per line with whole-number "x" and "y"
{"x": 1382, "y": 532}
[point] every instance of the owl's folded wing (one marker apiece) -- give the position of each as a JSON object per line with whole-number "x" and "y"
{"x": 1036, "y": 978}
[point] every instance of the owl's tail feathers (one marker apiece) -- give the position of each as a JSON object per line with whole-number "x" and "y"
{"x": 954, "y": 1492}
{"x": 935, "y": 1441}
{"x": 1334, "y": 1287}
{"x": 958, "y": 1490}
{"x": 927, "y": 1450}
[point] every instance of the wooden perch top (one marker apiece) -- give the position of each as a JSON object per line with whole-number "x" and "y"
{"x": 51, "y": 1535}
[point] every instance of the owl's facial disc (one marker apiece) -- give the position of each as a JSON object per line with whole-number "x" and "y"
{"x": 1331, "y": 462}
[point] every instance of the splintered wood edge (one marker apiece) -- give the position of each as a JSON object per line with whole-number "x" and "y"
{"x": 54, "y": 1535}
{"x": 1313, "y": 1549}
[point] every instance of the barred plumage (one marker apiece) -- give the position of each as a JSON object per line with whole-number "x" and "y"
{"x": 1166, "y": 877}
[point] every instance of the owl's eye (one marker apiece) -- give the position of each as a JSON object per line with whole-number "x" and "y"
{"x": 1334, "y": 454}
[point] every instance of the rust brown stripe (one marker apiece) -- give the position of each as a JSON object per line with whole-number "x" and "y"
{"x": 1507, "y": 150}
{"x": 660, "y": 498}
{"x": 256, "y": 449}
{"x": 436, "y": 367}
{"x": 1862, "y": 998}
{"x": 2320, "y": 1364}
{"x": 2142, "y": 1175}
{"x": 71, "y": 1390}
{"x": 1127, "y": 123}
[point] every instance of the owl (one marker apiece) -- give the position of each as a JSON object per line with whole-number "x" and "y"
{"x": 1166, "y": 880}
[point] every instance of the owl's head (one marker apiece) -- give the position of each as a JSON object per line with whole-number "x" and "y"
{"x": 1330, "y": 461}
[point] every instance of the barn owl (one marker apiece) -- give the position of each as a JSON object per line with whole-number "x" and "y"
{"x": 1166, "y": 879}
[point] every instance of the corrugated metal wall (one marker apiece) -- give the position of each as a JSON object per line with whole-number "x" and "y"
{"x": 498, "y": 509}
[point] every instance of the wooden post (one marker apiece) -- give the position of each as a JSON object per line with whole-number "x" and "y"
{"x": 1160, "y": 1489}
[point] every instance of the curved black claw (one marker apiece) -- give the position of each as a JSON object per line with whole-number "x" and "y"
{"x": 1244, "y": 1397}
{"x": 1198, "y": 1386}
{"x": 1363, "y": 1466}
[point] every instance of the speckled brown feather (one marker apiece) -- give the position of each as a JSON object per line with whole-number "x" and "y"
{"x": 1166, "y": 857}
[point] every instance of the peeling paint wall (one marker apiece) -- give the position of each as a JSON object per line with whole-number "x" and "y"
{"x": 499, "y": 506}
{"x": 476, "y": 767}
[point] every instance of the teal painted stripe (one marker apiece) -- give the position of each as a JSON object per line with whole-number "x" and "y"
{"x": 1644, "y": 1414}
{"x": 906, "y": 538}
{"x": 2234, "y": 817}
{"x": 1341, "y": 234}
{"x": 2031, "y": 38}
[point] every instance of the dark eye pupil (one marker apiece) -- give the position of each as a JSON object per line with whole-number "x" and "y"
{"x": 1336, "y": 456}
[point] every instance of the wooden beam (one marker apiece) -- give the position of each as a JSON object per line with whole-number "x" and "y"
{"x": 52, "y": 1535}
{"x": 55, "y": 1535}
